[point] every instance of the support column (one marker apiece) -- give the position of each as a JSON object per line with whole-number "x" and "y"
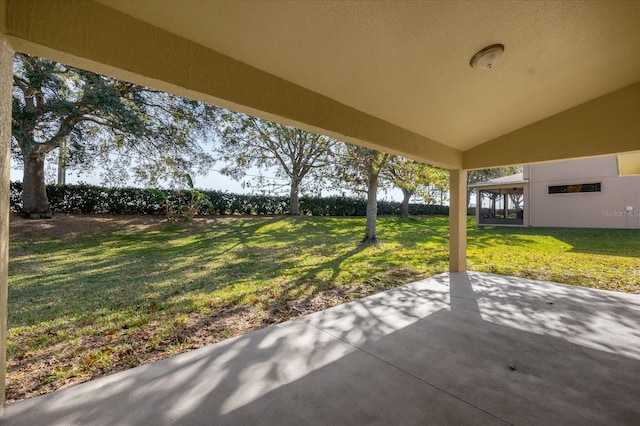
{"x": 458, "y": 220}
{"x": 6, "y": 85}
{"x": 505, "y": 197}
{"x": 478, "y": 206}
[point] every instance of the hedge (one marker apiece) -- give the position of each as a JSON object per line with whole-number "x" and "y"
{"x": 90, "y": 199}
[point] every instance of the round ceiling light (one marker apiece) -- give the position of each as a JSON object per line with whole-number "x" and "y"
{"x": 486, "y": 58}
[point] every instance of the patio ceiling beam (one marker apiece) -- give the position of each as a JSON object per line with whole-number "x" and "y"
{"x": 605, "y": 125}
{"x": 92, "y": 36}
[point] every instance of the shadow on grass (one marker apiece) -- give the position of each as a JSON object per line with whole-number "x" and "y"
{"x": 117, "y": 270}
{"x": 151, "y": 270}
{"x": 132, "y": 293}
{"x": 614, "y": 242}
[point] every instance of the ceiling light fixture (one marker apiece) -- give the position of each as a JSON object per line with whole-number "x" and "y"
{"x": 486, "y": 58}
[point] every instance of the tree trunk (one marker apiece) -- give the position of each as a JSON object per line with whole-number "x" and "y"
{"x": 62, "y": 174}
{"x": 370, "y": 236}
{"x": 404, "y": 207}
{"x": 35, "y": 204}
{"x": 62, "y": 164}
{"x": 294, "y": 202}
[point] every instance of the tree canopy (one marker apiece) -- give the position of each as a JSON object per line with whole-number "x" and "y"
{"x": 416, "y": 178}
{"x": 295, "y": 155}
{"x": 153, "y": 135}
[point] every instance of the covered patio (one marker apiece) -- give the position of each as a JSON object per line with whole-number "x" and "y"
{"x": 393, "y": 76}
{"x": 458, "y": 348}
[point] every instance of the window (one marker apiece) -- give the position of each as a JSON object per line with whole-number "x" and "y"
{"x": 569, "y": 189}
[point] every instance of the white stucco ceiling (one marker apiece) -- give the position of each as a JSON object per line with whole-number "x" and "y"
{"x": 407, "y": 62}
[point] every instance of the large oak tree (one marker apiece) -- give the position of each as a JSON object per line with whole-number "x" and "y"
{"x": 94, "y": 116}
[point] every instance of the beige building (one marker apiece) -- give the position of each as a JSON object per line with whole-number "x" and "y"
{"x": 585, "y": 193}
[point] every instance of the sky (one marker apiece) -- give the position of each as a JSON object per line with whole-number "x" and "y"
{"x": 213, "y": 180}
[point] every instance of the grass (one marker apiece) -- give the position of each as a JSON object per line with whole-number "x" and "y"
{"x": 607, "y": 259}
{"x": 98, "y": 299}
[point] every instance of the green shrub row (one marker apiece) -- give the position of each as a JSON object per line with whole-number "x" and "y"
{"x": 93, "y": 199}
{"x": 90, "y": 199}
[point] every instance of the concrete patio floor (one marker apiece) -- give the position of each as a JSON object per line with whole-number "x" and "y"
{"x": 460, "y": 348}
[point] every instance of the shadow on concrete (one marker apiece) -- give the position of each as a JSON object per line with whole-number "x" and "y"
{"x": 466, "y": 348}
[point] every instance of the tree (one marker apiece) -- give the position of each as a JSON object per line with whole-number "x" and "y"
{"x": 415, "y": 178}
{"x": 294, "y": 154}
{"x": 154, "y": 134}
{"x": 516, "y": 201}
{"x": 481, "y": 175}
{"x": 361, "y": 169}
{"x": 438, "y": 188}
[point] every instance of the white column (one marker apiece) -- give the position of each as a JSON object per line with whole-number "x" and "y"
{"x": 458, "y": 220}
{"x": 6, "y": 85}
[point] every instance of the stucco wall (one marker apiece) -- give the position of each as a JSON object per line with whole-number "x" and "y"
{"x": 605, "y": 209}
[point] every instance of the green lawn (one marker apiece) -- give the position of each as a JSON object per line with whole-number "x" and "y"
{"x": 88, "y": 302}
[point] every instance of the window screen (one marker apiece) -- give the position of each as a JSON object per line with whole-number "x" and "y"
{"x": 570, "y": 189}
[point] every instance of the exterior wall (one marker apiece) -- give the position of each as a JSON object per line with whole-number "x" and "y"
{"x": 605, "y": 209}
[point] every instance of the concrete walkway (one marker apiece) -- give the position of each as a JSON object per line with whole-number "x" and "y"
{"x": 450, "y": 350}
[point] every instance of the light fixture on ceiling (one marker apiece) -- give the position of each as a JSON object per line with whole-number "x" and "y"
{"x": 486, "y": 58}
